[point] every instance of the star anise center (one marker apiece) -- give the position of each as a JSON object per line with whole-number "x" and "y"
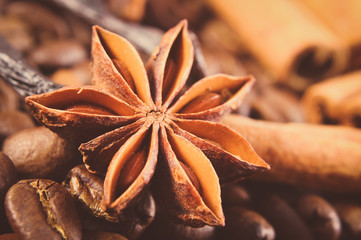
{"x": 157, "y": 116}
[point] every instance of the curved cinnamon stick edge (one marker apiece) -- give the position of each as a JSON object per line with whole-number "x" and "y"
{"x": 315, "y": 156}
{"x": 335, "y": 100}
{"x": 345, "y": 21}
{"x": 273, "y": 33}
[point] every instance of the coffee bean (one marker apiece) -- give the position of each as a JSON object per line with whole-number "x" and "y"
{"x": 12, "y": 122}
{"x": 78, "y": 75}
{"x": 42, "y": 209}
{"x": 46, "y": 23}
{"x": 350, "y": 214}
{"x": 9, "y": 236}
{"x": 81, "y": 30}
{"x": 40, "y": 153}
{"x": 320, "y": 216}
{"x": 133, "y": 221}
{"x": 58, "y": 53}
{"x": 87, "y": 189}
{"x": 165, "y": 228}
{"x": 16, "y": 32}
{"x": 182, "y": 232}
{"x": 8, "y": 177}
{"x": 285, "y": 220}
{"x": 98, "y": 235}
{"x": 235, "y": 195}
{"x": 242, "y": 223}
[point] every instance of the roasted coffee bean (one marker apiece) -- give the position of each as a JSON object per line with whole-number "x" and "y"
{"x": 182, "y": 232}
{"x": 285, "y": 220}
{"x": 87, "y": 189}
{"x": 320, "y": 216}
{"x": 242, "y": 223}
{"x": 98, "y": 235}
{"x": 40, "y": 153}
{"x": 42, "y": 209}
{"x": 58, "y": 53}
{"x": 16, "y": 32}
{"x": 44, "y": 22}
{"x": 132, "y": 221}
{"x": 8, "y": 177}
{"x": 350, "y": 214}
{"x": 78, "y": 75}
{"x": 9, "y": 236}
{"x": 12, "y": 122}
{"x": 235, "y": 195}
{"x": 81, "y": 29}
{"x": 165, "y": 228}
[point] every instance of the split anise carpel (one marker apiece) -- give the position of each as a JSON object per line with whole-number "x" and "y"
{"x": 139, "y": 121}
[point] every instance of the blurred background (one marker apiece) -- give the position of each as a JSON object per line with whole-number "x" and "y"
{"x": 290, "y": 46}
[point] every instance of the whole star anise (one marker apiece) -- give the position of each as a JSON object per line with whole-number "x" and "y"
{"x": 139, "y": 116}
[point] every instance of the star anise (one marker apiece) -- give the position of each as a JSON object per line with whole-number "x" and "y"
{"x": 137, "y": 116}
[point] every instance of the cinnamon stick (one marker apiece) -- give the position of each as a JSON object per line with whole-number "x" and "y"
{"x": 316, "y": 156}
{"x": 286, "y": 37}
{"x": 336, "y": 100}
{"x": 344, "y": 19}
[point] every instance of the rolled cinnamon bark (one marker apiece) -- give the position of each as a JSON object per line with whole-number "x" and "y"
{"x": 316, "y": 156}
{"x": 344, "y": 19}
{"x": 351, "y": 114}
{"x": 336, "y": 100}
{"x": 286, "y": 37}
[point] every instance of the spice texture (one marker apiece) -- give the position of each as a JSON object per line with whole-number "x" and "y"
{"x": 137, "y": 123}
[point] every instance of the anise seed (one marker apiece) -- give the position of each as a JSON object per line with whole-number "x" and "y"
{"x": 88, "y": 108}
{"x": 124, "y": 72}
{"x": 203, "y": 102}
{"x": 168, "y": 74}
{"x": 131, "y": 170}
{"x": 191, "y": 177}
